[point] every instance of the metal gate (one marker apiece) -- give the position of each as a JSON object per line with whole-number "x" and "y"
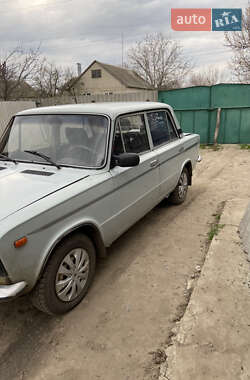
{"x": 196, "y": 109}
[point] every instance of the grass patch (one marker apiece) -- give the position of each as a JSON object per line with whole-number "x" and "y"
{"x": 216, "y": 147}
{"x": 215, "y": 227}
{"x": 217, "y": 217}
{"x": 203, "y": 146}
{"x": 214, "y": 230}
{"x": 245, "y": 146}
{"x": 211, "y": 146}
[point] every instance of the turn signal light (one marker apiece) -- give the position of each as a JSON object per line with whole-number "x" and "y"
{"x": 20, "y": 242}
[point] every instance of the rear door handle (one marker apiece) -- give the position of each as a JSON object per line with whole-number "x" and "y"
{"x": 154, "y": 163}
{"x": 181, "y": 149}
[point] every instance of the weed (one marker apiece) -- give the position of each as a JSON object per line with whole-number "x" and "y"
{"x": 245, "y": 146}
{"x": 217, "y": 217}
{"x": 216, "y": 147}
{"x": 215, "y": 228}
{"x": 211, "y": 146}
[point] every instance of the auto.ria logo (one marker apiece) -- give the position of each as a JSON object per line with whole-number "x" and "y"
{"x": 206, "y": 19}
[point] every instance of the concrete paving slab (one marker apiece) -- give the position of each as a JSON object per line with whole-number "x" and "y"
{"x": 234, "y": 211}
{"x": 212, "y": 339}
{"x": 245, "y": 231}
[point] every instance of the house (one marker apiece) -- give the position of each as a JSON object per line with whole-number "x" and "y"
{"x": 102, "y": 78}
{"x": 13, "y": 90}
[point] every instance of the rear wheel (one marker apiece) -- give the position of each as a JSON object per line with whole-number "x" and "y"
{"x": 67, "y": 276}
{"x": 179, "y": 194}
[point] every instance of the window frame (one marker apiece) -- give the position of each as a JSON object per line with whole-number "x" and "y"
{"x": 174, "y": 125}
{"x": 168, "y": 113}
{"x": 5, "y": 136}
{"x": 96, "y": 71}
{"x": 117, "y": 124}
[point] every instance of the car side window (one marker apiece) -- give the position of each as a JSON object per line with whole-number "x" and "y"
{"x": 161, "y": 127}
{"x": 158, "y": 126}
{"x": 131, "y": 135}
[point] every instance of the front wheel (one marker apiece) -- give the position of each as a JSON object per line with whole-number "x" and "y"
{"x": 179, "y": 194}
{"x": 67, "y": 276}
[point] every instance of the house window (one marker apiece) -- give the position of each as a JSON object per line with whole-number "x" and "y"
{"x": 96, "y": 73}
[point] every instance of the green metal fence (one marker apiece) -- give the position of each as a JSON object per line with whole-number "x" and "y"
{"x": 196, "y": 109}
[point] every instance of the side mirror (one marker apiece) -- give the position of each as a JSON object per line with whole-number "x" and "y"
{"x": 125, "y": 160}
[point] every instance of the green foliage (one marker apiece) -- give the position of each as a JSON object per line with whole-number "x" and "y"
{"x": 211, "y": 146}
{"x": 215, "y": 228}
{"x": 245, "y": 146}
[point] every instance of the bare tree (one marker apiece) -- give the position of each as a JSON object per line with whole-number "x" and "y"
{"x": 17, "y": 68}
{"x": 50, "y": 79}
{"x": 239, "y": 42}
{"x": 68, "y": 86}
{"x": 206, "y": 77}
{"x": 159, "y": 60}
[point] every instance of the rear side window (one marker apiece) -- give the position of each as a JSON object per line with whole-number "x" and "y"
{"x": 131, "y": 135}
{"x": 161, "y": 127}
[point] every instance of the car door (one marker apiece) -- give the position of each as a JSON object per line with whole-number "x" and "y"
{"x": 166, "y": 143}
{"x": 135, "y": 189}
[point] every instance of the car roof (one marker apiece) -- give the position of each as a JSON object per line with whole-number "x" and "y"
{"x": 111, "y": 109}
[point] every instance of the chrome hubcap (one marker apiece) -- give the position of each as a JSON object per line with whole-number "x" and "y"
{"x": 72, "y": 275}
{"x": 183, "y": 185}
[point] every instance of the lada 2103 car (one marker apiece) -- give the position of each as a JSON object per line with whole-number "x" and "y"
{"x": 72, "y": 179}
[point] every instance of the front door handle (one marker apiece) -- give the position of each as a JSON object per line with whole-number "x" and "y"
{"x": 154, "y": 163}
{"x": 181, "y": 149}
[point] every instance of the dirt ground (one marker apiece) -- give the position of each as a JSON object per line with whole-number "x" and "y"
{"x": 138, "y": 294}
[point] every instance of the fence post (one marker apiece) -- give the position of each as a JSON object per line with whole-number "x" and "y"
{"x": 217, "y": 128}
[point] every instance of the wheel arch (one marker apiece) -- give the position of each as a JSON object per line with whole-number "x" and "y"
{"x": 188, "y": 165}
{"x": 88, "y": 229}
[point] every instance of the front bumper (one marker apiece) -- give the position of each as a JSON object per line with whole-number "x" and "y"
{"x": 9, "y": 291}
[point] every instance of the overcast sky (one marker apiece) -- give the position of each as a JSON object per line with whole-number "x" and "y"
{"x": 73, "y": 31}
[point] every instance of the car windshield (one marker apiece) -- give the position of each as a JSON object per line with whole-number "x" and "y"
{"x": 73, "y": 140}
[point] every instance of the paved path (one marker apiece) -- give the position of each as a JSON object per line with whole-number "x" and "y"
{"x": 212, "y": 340}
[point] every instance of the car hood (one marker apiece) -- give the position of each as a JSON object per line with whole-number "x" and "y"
{"x": 21, "y": 186}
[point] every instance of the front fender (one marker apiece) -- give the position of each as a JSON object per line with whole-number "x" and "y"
{"x": 90, "y": 228}
{"x": 27, "y": 262}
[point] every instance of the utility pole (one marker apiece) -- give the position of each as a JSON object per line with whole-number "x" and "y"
{"x": 122, "y": 47}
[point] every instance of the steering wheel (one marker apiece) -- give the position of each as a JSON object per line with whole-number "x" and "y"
{"x": 79, "y": 153}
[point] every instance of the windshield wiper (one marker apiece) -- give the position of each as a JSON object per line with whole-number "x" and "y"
{"x": 6, "y": 158}
{"x": 46, "y": 158}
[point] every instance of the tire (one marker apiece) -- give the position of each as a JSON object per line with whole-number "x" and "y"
{"x": 179, "y": 194}
{"x": 66, "y": 277}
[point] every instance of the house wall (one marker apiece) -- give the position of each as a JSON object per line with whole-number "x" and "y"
{"x": 107, "y": 83}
